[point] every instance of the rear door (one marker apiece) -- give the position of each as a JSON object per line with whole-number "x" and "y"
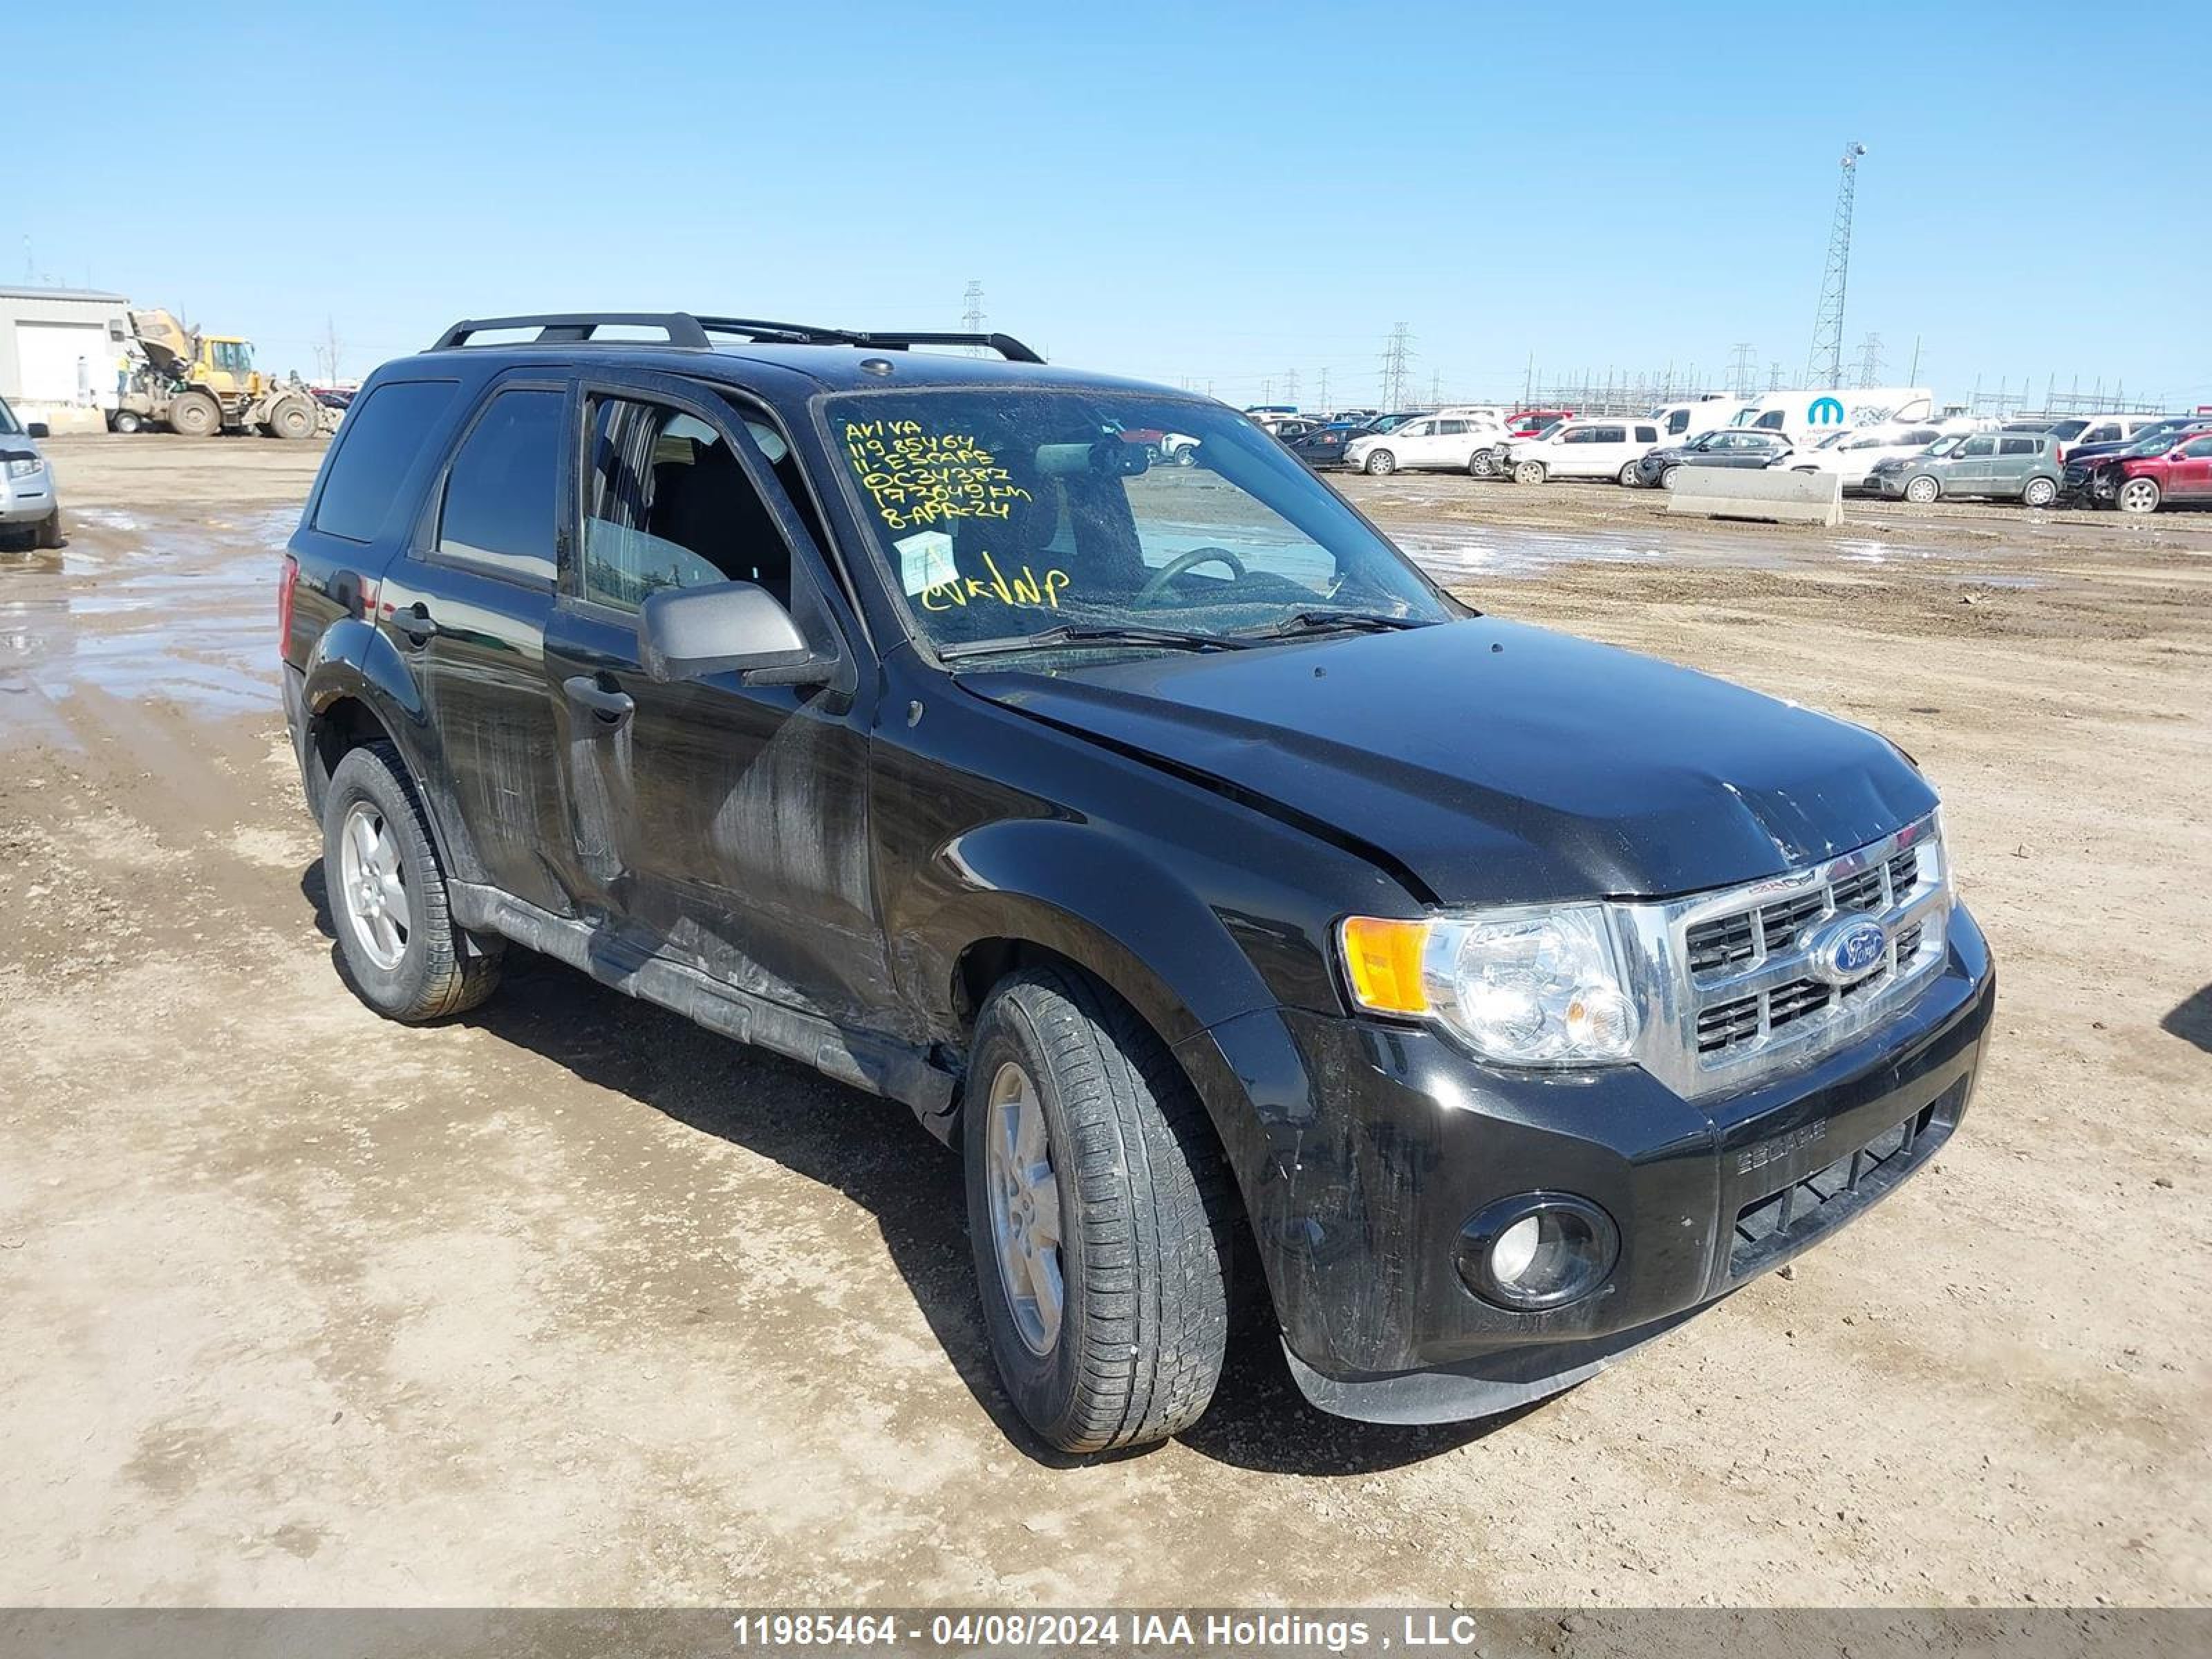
{"x": 466, "y": 603}
{"x": 2019, "y": 459}
{"x": 720, "y": 824}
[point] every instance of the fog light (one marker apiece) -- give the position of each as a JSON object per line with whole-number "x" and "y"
{"x": 1539, "y": 1250}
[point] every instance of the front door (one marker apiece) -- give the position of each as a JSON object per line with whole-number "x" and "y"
{"x": 1969, "y": 469}
{"x": 718, "y": 823}
{"x": 2189, "y": 477}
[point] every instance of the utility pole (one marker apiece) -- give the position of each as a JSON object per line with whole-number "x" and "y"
{"x": 1773, "y": 374}
{"x": 1870, "y": 360}
{"x": 327, "y": 353}
{"x": 1437, "y": 387}
{"x": 1824, "y": 366}
{"x": 1912, "y": 375}
{"x": 1528, "y": 384}
{"x": 1397, "y": 353}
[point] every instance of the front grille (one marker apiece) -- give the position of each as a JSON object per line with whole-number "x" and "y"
{"x": 1783, "y": 1223}
{"x": 1756, "y": 998}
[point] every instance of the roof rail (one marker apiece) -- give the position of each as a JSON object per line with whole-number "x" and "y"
{"x": 683, "y": 329}
{"x": 895, "y": 340}
{"x": 579, "y": 327}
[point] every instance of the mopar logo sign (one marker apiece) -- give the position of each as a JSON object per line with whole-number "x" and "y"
{"x": 1825, "y": 411}
{"x": 1847, "y": 950}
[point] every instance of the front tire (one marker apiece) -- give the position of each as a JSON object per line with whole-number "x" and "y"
{"x": 48, "y": 534}
{"x": 1098, "y": 1209}
{"x": 2137, "y": 497}
{"x": 1667, "y": 475}
{"x": 402, "y": 953}
{"x": 1528, "y": 472}
{"x": 1380, "y": 463}
{"x": 293, "y": 419}
{"x": 126, "y": 420}
{"x": 1922, "y": 490}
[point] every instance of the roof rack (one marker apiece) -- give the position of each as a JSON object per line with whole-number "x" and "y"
{"x": 683, "y": 329}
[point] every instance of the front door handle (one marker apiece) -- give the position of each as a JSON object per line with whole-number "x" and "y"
{"x": 611, "y": 709}
{"x": 413, "y": 621}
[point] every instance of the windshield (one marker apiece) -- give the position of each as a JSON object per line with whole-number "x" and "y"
{"x": 9, "y": 428}
{"x": 998, "y": 514}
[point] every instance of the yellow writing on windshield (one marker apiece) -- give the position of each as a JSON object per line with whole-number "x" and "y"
{"x": 1027, "y": 588}
{"x": 918, "y": 478}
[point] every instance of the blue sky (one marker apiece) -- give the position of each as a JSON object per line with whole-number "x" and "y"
{"x": 1221, "y": 195}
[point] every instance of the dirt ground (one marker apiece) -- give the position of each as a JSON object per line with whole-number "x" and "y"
{"x": 567, "y": 1302}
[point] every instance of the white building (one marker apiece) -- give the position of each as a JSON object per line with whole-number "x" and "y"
{"x": 58, "y": 347}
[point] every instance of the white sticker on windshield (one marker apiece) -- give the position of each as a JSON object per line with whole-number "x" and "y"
{"x": 926, "y": 561}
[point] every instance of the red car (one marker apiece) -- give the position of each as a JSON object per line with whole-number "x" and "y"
{"x": 2182, "y": 475}
{"x": 1529, "y": 422}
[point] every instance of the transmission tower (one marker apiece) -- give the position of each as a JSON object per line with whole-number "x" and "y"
{"x": 1291, "y": 388}
{"x": 1825, "y": 366}
{"x": 1397, "y": 353}
{"x": 1324, "y": 404}
{"x": 1870, "y": 360}
{"x": 971, "y": 319}
{"x": 1741, "y": 377}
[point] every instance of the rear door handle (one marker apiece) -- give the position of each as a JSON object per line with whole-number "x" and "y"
{"x": 610, "y": 708}
{"x": 413, "y": 621}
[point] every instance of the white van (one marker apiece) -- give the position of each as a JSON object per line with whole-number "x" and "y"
{"x": 1678, "y": 422}
{"x": 1812, "y": 412}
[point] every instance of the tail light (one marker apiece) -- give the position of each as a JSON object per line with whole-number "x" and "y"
{"x": 287, "y": 581}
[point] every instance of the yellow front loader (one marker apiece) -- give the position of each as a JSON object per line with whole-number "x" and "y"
{"x": 201, "y": 384}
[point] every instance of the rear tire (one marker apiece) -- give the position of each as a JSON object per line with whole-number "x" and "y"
{"x": 1626, "y": 477}
{"x": 1098, "y": 1210}
{"x": 403, "y": 954}
{"x": 1922, "y": 490}
{"x": 1380, "y": 463}
{"x": 1483, "y": 464}
{"x": 2137, "y": 497}
{"x": 2040, "y": 492}
{"x": 196, "y": 415}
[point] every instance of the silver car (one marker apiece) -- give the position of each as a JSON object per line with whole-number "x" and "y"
{"x": 28, "y": 502}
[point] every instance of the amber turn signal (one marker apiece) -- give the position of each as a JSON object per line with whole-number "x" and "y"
{"x": 1383, "y": 959}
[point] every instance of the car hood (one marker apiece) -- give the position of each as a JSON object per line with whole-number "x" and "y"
{"x": 1489, "y": 761}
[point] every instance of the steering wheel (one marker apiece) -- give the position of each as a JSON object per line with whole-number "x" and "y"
{"x": 1151, "y": 591}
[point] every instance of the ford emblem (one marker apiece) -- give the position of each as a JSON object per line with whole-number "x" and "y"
{"x": 1848, "y": 948}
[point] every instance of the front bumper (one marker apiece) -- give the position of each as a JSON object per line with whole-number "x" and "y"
{"x": 1361, "y": 1150}
{"x": 28, "y": 501}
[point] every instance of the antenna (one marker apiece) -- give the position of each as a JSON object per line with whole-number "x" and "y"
{"x": 1825, "y": 365}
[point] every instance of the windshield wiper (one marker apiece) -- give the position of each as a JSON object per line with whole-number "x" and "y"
{"x": 1067, "y": 634}
{"x": 1326, "y": 621}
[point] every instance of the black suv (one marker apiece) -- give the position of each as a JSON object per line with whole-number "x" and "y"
{"x": 1170, "y": 844}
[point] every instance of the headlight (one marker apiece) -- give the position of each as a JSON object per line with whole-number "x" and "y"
{"x": 1524, "y": 987}
{"x": 26, "y": 467}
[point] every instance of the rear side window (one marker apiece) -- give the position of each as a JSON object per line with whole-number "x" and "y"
{"x": 1647, "y": 434}
{"x": 2017, "y": 446}
{"x": 383, "y": 435}
{"x": 501, "y": 489}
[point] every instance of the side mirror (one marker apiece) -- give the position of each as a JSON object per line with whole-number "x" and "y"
{"x": 39, "y": 429}
{"x": 688, "y": 632}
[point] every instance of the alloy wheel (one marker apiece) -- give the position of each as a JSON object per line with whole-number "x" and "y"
{"x": 1025, "y": 1222}
{"x": 373, "y": 886}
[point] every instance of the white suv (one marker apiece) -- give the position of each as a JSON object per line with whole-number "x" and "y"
{"x": 1428, "y": 440}
{"x": 1597, "y": 447}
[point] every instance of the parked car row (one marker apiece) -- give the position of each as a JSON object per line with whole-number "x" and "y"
{"x": 2136, "y": 463}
